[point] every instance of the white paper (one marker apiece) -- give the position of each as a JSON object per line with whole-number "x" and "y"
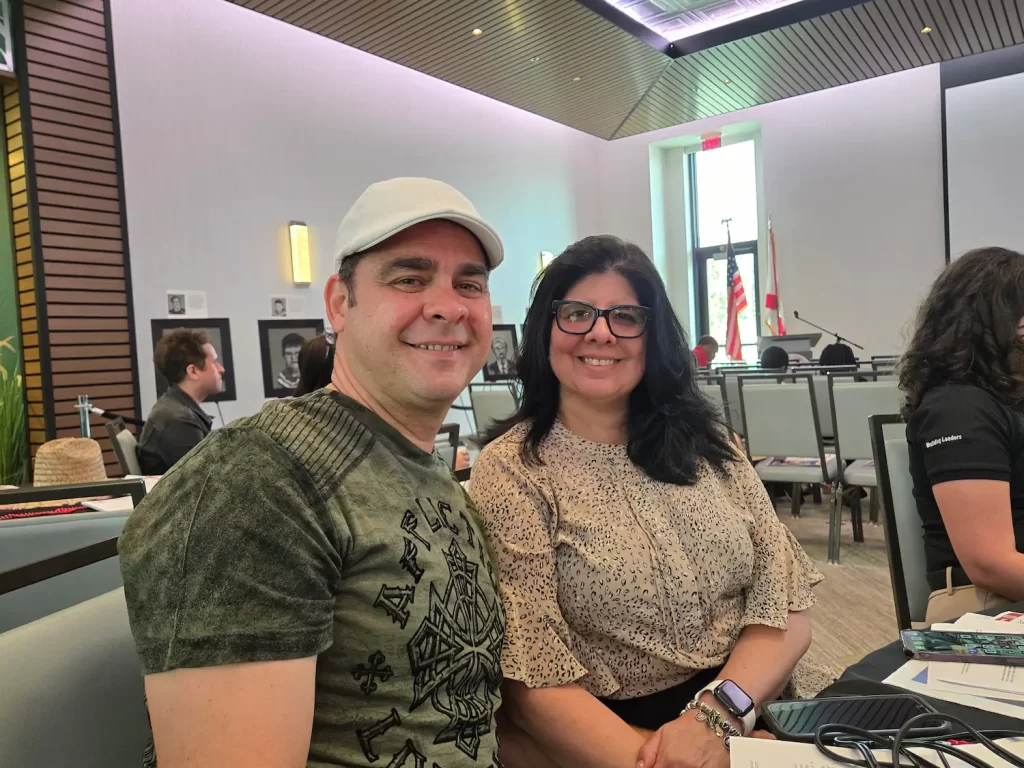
{"x": 181, "y": 303}
{"x": 762, "y": 753}
{"x": 913, "y": 677}
{"x": 120, "y": 504}
{"x": 988, "y": 677}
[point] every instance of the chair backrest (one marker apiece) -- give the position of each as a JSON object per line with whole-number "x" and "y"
{"x": 447, "y": 443}
{"x": 38, "y": 538}
{"x": 904, "y": 538}
{"x": 781, "y": 419}
{"x": 125, "y": 447}
{"x": 490, "y": 404}
{"x": 823, "y": 404}
{"x": 731, "y": 387}
{"x": 72, "y": 689}
{"x": 713, "y": 388}
{"x": 852, "y": 403}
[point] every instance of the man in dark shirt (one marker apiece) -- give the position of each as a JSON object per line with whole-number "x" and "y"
{"x": 177, "y": 422}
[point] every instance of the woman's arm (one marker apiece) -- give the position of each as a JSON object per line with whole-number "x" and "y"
{"x": 764, "y": 658}
{"x": 979, "y": 523}
{"x": 571, "y": 726}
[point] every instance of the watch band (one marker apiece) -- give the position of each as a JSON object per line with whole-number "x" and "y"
{"x": 746, "y": 720}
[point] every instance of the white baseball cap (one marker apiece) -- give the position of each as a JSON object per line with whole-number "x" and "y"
{"x": 389, "y": 207}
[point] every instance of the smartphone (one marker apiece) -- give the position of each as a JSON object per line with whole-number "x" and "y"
{"x": 799, "y": 720}
{"x": 977, "y": 647}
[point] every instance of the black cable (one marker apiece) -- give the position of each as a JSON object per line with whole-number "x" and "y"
{"x": 900, "y": 744}
{"x": 221, "y": 414}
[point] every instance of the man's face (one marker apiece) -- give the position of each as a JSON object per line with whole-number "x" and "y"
{"x": 176, "y": 304}
{"x": 420, "y": 328}
{"x": 211, "y": 375}
{"x": 500, "y": 349}
{"x": 291, "y": 359}
{"x": 278, "y": 307}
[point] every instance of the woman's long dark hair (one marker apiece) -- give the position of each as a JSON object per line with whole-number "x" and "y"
{"x": 316, "y": 363}
{"x": 966, "y": 330}
{"x": 670, "y": 425}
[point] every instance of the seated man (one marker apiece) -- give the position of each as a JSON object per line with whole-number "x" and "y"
{"x": 177, "y": 423}
{"x": 705, "y": 351}
{"x": 312, "y": 587}
{"x": 775, "y": 359}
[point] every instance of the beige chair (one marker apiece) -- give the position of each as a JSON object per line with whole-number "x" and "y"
{"x": 446, "y": 444}
{"x": 125, "y": 447}
{"x": 491, "y": 403}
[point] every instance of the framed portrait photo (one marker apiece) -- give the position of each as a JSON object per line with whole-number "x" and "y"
{"x": 280, "y": 342}
{"x": 219, "y": 332}
{"x": 502, "y": 360}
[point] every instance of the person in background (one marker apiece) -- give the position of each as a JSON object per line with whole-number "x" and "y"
{"x": 311, "y": 586}
{"x": 643, "y": 568}
{"x": 705, "y": 351}
{"x": 316, "y": 363}
{"x": 838, "y": 355}
{"x": 291, "y": 345}
{"x": 963, "y": 382}
{"x": 775, "y": 359}
{"x": 176, "y": 424}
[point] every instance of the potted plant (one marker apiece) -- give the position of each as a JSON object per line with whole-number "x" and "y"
{"x": 13, "y": 443}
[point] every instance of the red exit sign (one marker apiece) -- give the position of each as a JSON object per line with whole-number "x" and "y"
{"x": 711, "y": 142}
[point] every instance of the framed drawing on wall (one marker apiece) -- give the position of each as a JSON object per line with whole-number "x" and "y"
{"x": 280, "y": 342}
{"x": 501, "y": 362}
{"x": 218, "y": 330}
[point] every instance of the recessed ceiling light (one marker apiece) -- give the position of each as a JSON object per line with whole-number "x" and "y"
{"x": 534, "y": 59}
{"x": 477, "y": 32}
{"x": 727, "y": 81}
{"x": 926, "y": 30}
{"x": 577, "y": 79}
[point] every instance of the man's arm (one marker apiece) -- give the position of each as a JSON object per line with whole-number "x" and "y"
{"x": 253, "y": 715}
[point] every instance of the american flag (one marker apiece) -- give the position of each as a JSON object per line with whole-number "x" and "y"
{"x": 737, "y": 302}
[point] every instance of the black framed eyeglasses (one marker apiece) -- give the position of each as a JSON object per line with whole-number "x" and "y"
{"x": 625, "y": 321}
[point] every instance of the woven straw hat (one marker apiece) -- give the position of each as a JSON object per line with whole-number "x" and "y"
{"x": 69, "y": 460}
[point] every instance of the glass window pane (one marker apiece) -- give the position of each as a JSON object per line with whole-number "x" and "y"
{"x": 726, "y": 189}
{"x": 718, "y": 297}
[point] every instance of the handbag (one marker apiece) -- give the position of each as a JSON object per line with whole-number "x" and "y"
{"x": 953, "y": 602}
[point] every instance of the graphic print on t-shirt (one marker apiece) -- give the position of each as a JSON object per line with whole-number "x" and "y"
{"x": 454, "y": 650}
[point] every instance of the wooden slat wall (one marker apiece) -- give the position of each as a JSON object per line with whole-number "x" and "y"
{"x": 68, "y": 223}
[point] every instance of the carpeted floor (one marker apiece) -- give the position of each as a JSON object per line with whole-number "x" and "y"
{"x": 854, "y": 614}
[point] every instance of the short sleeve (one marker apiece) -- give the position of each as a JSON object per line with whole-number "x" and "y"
{"x": 783, "y": 574}
{"x": 962, "y": 433}
{"x": 518, "y": 523}
{"x": 232, "y": 558}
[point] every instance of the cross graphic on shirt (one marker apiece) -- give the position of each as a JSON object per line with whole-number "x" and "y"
{"x": 377, "y": 670}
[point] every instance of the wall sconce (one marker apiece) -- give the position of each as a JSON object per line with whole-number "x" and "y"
{"x": 298, "y": 238}
{"x": 546, "y": 257}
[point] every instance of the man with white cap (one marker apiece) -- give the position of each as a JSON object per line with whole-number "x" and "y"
{"x": 311, "y": 586}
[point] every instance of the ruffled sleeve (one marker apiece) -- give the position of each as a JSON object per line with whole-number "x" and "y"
{"x": 519, "y": 521}
{"x": 783, "y": 573}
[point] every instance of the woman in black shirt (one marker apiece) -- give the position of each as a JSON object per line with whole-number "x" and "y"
{"x": 963, "y": 378}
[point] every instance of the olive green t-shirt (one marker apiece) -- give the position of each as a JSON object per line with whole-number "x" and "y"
{"x": 316, "y": 529}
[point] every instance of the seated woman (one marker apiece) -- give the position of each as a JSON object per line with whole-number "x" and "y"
{"x": 963, "y": 380}
{"x": 316, "y": 363}
{"x": 641, "y": 562}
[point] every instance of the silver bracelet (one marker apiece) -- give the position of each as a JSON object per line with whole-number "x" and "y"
{"x": 714, "y": 720}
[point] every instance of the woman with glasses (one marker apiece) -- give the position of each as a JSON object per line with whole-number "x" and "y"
{"x": 649, "y": 586}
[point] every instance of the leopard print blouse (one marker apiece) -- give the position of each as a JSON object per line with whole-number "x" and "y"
{"x": 623, "y": 584}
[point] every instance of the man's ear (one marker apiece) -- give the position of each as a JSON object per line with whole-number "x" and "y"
{"x": 336, "y": 301}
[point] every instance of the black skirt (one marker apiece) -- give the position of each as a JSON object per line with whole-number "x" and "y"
{"x": 656, "y": 709}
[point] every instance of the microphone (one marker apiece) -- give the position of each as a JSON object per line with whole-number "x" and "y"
{"x": 839, "y": 339}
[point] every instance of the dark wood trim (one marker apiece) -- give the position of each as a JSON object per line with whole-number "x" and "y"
{"x": 18, "y": 28}
{"x": 33, "y": 573}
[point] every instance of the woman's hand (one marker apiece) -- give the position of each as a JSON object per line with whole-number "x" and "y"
{"x": 686, "y": 743}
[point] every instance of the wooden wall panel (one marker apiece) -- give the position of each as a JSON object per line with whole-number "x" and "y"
{"x": 68, "y": 217}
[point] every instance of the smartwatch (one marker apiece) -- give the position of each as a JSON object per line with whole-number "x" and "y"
{"x": 735, "y": 700}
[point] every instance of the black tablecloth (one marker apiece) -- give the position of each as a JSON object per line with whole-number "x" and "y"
{"x": 865, "y": 676}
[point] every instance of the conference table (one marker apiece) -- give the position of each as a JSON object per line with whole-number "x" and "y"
{"x": 866, "y": 675}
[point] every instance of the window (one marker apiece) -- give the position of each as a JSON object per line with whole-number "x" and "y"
{"x": 723, "y": 185}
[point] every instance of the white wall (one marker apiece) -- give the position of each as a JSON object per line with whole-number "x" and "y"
{"x": 985, "y": 163}
{"x": 233, "y": 123}
{"x": 852, "y": 178}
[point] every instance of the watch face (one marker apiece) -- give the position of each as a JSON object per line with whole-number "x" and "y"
{"x": 733, "y": 697}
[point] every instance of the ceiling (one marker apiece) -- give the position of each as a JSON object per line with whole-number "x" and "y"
{"x": 584, "y": 64}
